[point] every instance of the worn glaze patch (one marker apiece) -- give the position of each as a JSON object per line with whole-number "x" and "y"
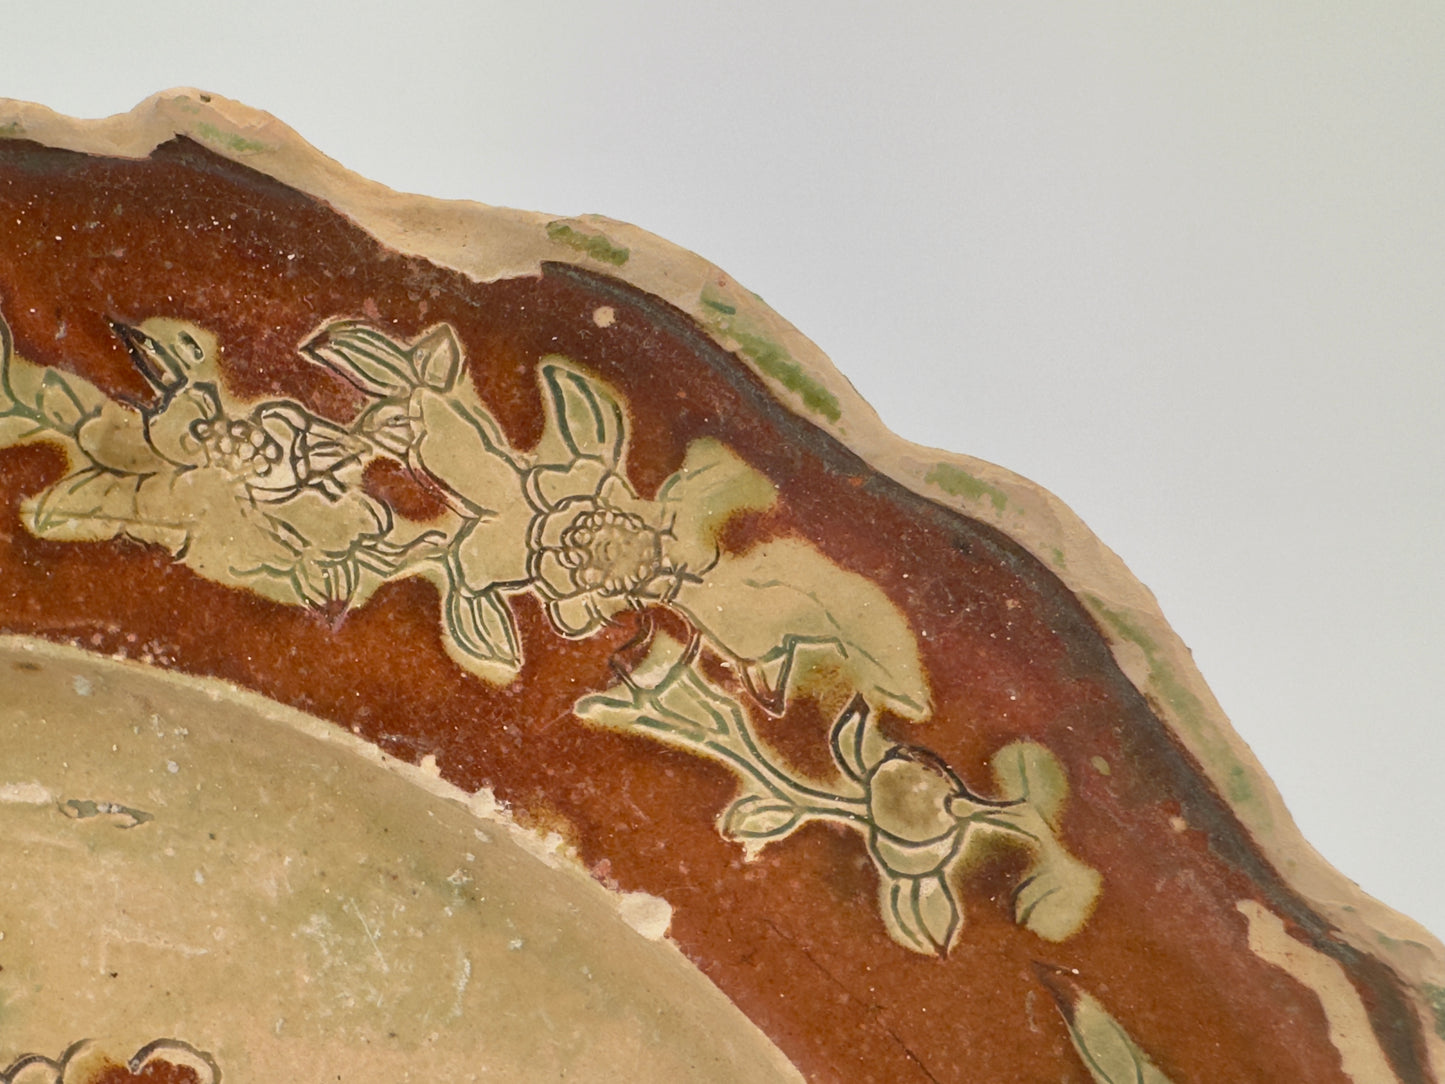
{"x": 380, "y": 931}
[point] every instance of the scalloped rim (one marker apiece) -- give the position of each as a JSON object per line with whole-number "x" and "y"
{"x": 488, "y": 243}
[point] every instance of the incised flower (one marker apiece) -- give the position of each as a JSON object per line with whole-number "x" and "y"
{"x": 919, "y": 816}
{"x": 922, "y": 819}
{"x": 595, "y": 548}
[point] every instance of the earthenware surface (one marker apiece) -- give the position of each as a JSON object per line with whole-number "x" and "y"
{"x": 627, "y": 691}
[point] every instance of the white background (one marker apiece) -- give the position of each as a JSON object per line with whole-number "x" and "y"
{"x": 1182, "y": 264}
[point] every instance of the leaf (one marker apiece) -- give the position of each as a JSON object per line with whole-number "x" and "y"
{"x": 1030, "y": 772}
{"x": 857, "y": 745}
{"x": 482, "y": 626}
{"x": 710, "y": 487}
{"x": 1108, "y": 1051}
{"x": 90, "y": 506}
{"x": 1058, "y": 892}
{"x": 374, "y": 362}
{"x": 847, "y": 739}
{"x": 920, "y": 912}
{"x": 759, "y": 816}
{"x": 582, "y": 414}
{"x": 783, "y": 605}
{"x": 436, "y": 357}
{"x": 665, "y": 697}
{"x": 63, "y": 403}
{"x": 48, "y": 398}
{"x": 1057, "y": 895}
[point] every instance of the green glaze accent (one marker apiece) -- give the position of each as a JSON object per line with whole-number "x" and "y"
{"x": 1435, "y": 995}
{"x": 1187, "y": 708}
{"x": 720, "y": 306}
{"x": 1057, "y": 555}
{"x": 1101, "y": 765}
{"x": 957, "y": 482}
{"x": 594, "y": 245}
{"x": 231, "y": 141}
{"x": 771, "y": 357}
{"x": 11, "y": 130}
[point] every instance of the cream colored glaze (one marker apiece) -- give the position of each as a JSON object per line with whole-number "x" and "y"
{"x": 489, "y": 243}
{"x": 272, "y": 890}
{"x": 1360, "y": 1056}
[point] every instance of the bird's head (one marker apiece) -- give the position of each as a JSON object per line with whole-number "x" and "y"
{"x": 170, "y": 353}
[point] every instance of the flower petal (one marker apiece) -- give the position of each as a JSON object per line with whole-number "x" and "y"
{"x": 546, "y": 531}
{"x": 920, "y": 912}
{"x": 584, "y": 416}
{"x": 549, "y": 486}
{"x": 574, "y": 617}
{"x": 550, "y": 575}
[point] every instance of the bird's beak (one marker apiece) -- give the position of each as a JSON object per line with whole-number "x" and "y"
{"x": 162, "y": 371}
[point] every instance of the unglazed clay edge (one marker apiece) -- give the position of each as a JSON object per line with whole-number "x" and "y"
{"x": 450, "y": 233}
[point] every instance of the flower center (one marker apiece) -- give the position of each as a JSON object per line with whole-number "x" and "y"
{"x": 611, "y": 552}
{"x": 239, "y": 446}
{"x": 910, "y": 800}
